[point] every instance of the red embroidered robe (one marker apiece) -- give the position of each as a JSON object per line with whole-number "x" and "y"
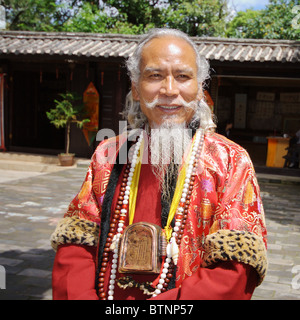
{"x": 225, "y": 235}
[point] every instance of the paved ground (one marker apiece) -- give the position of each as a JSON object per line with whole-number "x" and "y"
{"x": 31, "y": 204}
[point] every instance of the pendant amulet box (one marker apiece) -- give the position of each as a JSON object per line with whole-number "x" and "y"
{"x": 141, "y": 248}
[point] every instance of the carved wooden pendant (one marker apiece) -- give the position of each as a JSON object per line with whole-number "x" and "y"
{"x": 141, "y": 249}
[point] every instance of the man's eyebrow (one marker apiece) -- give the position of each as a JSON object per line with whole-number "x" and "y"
{"x": 184, "y": 70}
{"x": 152, "y": 69}
{"x": 178, "y": 70}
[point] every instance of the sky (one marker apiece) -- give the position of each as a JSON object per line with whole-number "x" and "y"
{"x": 242, "y": 5}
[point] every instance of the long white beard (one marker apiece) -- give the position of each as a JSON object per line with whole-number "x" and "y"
{"x": 168, "y": 144}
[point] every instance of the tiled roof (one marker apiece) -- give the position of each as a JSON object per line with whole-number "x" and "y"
{"x": 115, "y": 45}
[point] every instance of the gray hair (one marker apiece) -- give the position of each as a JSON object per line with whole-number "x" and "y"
{"x": 133, "y": 112}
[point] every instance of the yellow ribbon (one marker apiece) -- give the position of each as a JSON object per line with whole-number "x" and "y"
{"x": 135, "y": 184}
{"x": 177, "y": 195}
{"x": 175, "y": 203}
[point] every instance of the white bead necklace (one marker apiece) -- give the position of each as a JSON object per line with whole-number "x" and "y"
{"x": 172, "y": 248}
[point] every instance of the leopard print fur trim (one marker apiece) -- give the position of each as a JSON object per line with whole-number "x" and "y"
{"x": 73, "y": 230}
{"x": 242, "y": 246}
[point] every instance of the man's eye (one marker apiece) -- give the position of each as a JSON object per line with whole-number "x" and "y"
{"x": 155, "y": 75}
{"x": 183, "y": 77}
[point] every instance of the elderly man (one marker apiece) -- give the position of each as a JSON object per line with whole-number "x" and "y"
{"x": 183, "y": 218}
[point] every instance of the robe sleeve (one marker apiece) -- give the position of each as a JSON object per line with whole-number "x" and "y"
{"x": 73, "y": 276}
{"x": 229, "y": 280}
{"x": 80, "y": 224}
{"x": 238, "y": 230}
{"x": 75, "y": 241}
{"x": 76, "y": 236}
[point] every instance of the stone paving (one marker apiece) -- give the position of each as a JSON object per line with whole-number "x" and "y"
{"x": 29, "y": 211}
{"x": 282, "y": 210}
{"x": 31, "y": 205}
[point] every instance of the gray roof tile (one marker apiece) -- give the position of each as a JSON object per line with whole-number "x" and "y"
{"x": 115, "y": 45}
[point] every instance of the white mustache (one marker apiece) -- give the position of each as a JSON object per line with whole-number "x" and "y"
{"x": 168, "y": 102}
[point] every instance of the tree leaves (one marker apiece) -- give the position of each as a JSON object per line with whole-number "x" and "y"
{"x": 196, "y": 17}
{"x": 67, "y": 111}
{"x": 273, "y": 22}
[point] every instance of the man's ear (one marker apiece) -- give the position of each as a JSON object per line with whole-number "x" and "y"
{"x": 134, "y": 92}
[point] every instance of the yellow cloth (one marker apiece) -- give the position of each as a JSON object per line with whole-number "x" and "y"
{"x": 135, "y": 184}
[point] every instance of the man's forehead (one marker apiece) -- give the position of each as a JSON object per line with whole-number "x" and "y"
{"x": 169, "y": 41}
{"x": 174, "y": 48}
{"x": 168, "y": 49}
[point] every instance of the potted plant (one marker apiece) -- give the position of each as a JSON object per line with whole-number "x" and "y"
{"x": 66, "y": 111}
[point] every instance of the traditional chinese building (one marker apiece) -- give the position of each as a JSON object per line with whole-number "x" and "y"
{"x": 255, "y": 84}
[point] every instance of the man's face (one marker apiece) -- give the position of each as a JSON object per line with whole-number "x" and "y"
{"x": 168, "y": 80}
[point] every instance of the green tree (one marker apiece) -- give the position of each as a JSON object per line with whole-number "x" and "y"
{"x": 29, "y": 14}
{"x": 239, "y": 25}
{"x": 138, "y": 12}
{"x": 40, "y": 15}
{"x": 67, "y": 111}
{"x": 195, "y": 17}
{"x": 134, "y": 16}
{"x": 198, "y": 18}
{"x": 90, "y": 18}
{"x": 273, "y": 22}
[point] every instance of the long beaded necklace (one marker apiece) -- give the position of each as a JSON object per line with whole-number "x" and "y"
{"x": 119, "y": 217}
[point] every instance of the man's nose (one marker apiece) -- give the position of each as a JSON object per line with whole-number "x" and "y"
{"x": 169, "y": 87}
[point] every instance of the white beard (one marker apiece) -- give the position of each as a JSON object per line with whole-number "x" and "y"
{"x": 168, "y": 144}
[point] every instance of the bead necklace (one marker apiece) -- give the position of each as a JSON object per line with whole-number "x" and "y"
{"x": 119, "y": 217}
